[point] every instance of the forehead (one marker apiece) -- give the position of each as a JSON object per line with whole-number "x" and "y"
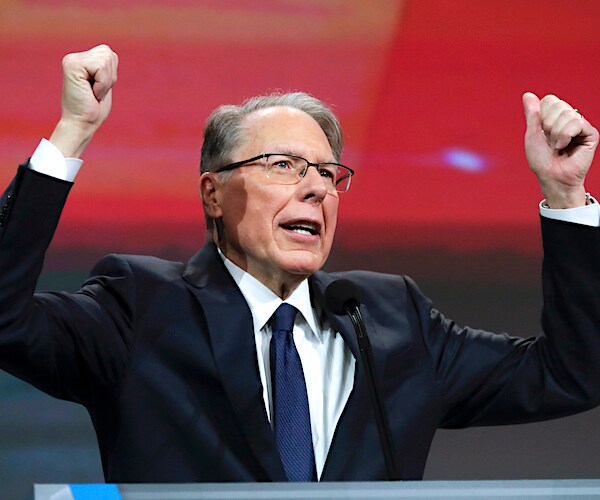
{"x": 283, "y": 129}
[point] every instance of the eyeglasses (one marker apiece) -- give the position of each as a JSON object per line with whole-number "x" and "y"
{"x": 290, "y": 169}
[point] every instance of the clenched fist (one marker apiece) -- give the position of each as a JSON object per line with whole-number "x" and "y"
{"x": 559, "y": 145}
{"x": 88, "y": 78}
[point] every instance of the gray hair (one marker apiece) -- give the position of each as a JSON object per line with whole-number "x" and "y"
{"x": 224, "y": 128}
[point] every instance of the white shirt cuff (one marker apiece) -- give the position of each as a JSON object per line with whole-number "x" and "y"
{"x": 588, "y": 215}
{"x": 47, "y": 159}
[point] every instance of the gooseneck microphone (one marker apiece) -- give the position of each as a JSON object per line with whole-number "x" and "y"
{"x": 343, "y": 297}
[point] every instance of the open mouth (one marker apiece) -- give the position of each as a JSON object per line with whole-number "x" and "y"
{"x": 304, "y": 228}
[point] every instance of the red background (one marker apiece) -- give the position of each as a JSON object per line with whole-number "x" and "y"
{"x": 410, "y": 81}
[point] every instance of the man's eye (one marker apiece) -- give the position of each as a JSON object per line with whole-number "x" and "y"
{"x": 283, "y": 164}
{"x": 329, "y": 172}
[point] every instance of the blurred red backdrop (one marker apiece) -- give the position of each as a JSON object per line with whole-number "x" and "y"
{"x": 428, "y": 92}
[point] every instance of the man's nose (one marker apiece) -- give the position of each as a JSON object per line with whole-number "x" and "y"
{"x": 313, "y": 184}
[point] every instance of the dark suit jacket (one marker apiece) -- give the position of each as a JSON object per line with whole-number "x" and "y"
{"x": 163, "y": 357}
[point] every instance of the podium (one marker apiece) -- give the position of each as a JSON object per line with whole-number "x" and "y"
{"x": 422, "y": 490}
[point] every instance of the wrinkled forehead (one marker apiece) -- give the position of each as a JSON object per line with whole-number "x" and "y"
{"x": 282, "y": 129}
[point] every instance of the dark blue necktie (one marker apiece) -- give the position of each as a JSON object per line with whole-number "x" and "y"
{"x": 291, "y": 417}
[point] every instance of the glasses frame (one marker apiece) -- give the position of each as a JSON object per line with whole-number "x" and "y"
{"x": 237, "y": 164}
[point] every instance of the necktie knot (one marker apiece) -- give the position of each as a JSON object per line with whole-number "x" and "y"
{"x": 283, "y": 318}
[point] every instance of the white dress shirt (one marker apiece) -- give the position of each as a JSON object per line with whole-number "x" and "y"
{"x": 47, "y": 159}
{"x": 588, "y": 215}
{"x": 327, "y": 362}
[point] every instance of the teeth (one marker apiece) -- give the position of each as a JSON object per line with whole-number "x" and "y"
{"x": 307, "y": 229}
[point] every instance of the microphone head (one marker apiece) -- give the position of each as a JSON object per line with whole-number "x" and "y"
{"x": 342, "y": 295}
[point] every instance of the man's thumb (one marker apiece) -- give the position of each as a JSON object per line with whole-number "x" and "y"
{"x": 531, "y": 108}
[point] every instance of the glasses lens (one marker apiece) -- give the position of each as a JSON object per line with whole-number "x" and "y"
{"x": 338, "y": 175}
{"x": 329, "y": 172}
{"x": 284, "y": 169}
{"x": 343, "y": 180}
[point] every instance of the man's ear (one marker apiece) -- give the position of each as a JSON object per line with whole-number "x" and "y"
{"x": 210, "y": 187}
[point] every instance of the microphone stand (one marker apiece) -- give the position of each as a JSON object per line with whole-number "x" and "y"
{"x": 383, "y": 425}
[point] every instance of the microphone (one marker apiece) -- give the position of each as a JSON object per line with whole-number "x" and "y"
{"x": 343, "y": 297}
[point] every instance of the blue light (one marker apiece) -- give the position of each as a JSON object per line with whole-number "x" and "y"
{"x": 464, "y": 160}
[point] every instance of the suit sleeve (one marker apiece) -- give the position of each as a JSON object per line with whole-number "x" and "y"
{"x": 69, "y": 345}
{"x": 491, "y": 379}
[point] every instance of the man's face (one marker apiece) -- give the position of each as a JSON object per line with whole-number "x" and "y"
{"x": 264, "y": 224}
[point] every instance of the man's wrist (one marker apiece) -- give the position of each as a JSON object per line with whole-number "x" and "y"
{"x": 564, "y": 198}
{"x": 71, "y": 138}
{"x": 588, "y": 201}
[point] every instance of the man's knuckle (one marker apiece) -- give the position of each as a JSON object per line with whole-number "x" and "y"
{"x": 68, "y": 60}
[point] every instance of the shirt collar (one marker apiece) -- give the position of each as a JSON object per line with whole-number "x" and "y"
{"x": 263, "y": 301}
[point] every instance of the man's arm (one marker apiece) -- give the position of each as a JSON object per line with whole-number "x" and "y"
{"x": 37, "y": 331}
{"x": 496, "y": 379}
{"x": 88, "y": 78}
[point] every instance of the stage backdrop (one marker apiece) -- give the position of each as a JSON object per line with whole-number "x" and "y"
{"x": 429, "y": 95}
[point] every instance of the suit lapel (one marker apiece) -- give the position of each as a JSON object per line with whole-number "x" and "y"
{"x": 230, "y": 328}
{"x": 357, "y": 417}
{"x": 353, "y": 417}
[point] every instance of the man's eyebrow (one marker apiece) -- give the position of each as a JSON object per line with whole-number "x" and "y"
{"x": 286, "y": 150}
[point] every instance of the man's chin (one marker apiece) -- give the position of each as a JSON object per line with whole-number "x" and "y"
{"x": 303, "y": 263}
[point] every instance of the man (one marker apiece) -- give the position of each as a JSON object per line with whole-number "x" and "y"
{"x": 163, "y": 356}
